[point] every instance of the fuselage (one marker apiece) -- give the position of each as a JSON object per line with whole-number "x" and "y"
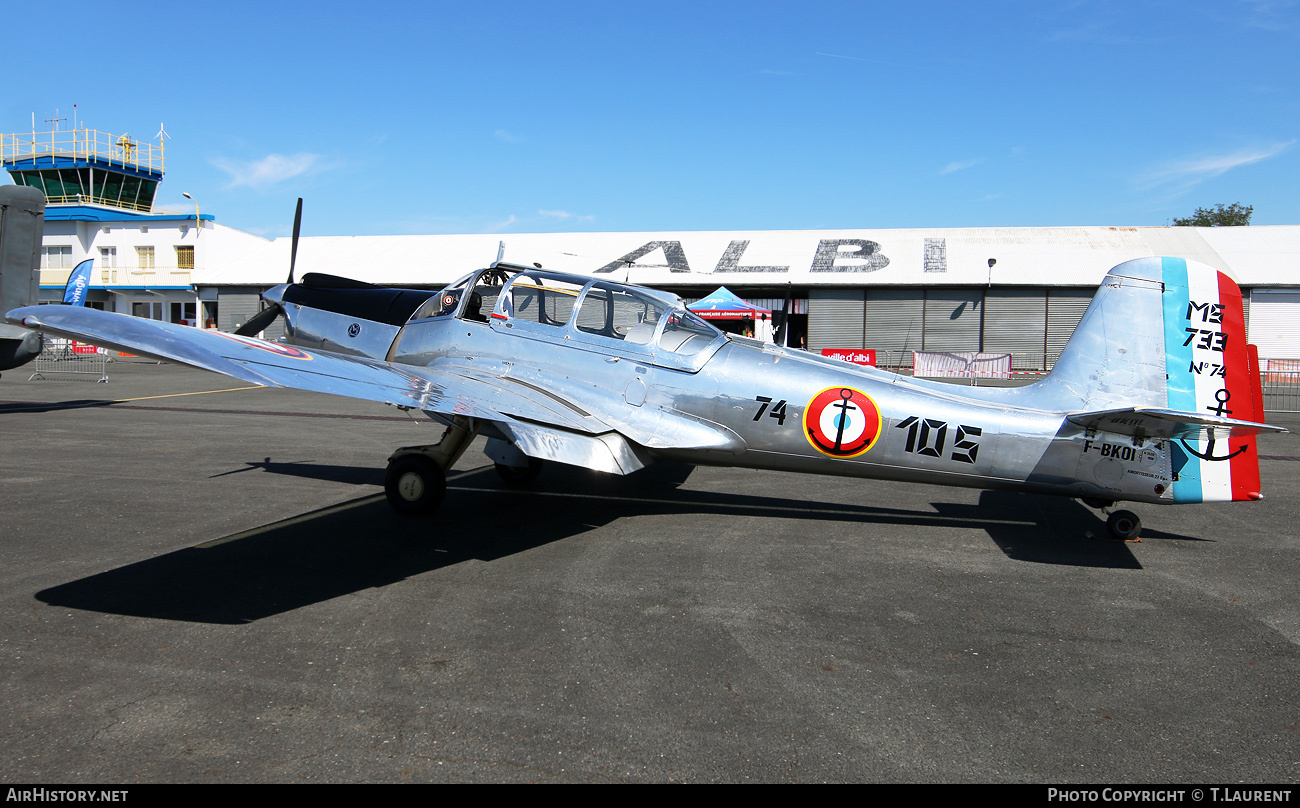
{"x": 781, "y": 408}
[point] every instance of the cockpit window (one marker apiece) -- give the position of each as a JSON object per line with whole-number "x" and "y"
{"x": 483, "y": 299}
{"x": 619, "y": 314}
{"x": 538, "y": 299}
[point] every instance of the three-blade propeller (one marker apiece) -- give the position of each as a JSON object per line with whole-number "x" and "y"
{"x": 260, "y": 321}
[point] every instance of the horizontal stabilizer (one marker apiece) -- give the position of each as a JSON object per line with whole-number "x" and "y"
{"x": 1151, "y": 422}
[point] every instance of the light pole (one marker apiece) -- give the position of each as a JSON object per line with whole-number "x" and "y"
{"x": 198, "y": 223}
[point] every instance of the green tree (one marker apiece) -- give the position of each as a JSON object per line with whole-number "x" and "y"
{"x": 1234, "y": 215}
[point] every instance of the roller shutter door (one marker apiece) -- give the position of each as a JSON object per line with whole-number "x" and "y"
{"x": 1015, "y": 322}
{"x": 236, "y": 305}
{"x": 1065, "y": 308}
{"x": 834, "y": 318}
{"x": 894, "y": 325}
{"x": 954, "y": 319}
{"x": 1275, "y": 323}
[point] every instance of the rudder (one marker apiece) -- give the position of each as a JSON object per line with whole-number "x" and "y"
{"x": 1209, "y": 369}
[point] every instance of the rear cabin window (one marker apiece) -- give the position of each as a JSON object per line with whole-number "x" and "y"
{"x": 619, "y": 314}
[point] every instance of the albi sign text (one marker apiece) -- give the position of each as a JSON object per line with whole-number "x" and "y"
{"x": 833, "y": 255}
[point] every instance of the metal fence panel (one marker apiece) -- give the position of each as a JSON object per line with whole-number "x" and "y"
{"x": 1281, "y": 385}
{"x": 65, "y": 356}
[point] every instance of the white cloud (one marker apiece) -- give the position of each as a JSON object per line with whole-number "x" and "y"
{"x": 1271, "y": 15}
{"x": 268, "y": 171}
{"x": 500, "y": 226}
{"x": 857, "y": 59}
{"x": 563, "y": 215}
{"x": 505, "y": 136}
{"x": 960, "y": 165}
{"x": 1189, "y": 172}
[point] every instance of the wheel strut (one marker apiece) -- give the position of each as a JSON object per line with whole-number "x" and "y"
{"x": 415, "y": 481}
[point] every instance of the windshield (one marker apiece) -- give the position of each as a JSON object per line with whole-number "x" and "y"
{"x": 445, "y": 302}
{"x": 483, "y": 287}
{"x": 685, "y": 333}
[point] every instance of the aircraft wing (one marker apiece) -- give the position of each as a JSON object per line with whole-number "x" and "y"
{"x": 1152, "y": 422}
{"x": 539, "y": 421}
{"x": 278, "y": 365}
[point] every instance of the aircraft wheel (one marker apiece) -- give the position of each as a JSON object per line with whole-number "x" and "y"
{"x": 1124, "y": 525}
{"x": 519, "y": 476}
{"x": 414, "y": 485}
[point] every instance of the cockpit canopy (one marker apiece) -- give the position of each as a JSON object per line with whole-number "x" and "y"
{"x": 646, "y": 325}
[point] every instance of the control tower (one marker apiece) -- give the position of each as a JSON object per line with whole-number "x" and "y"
{"x": 85, "y": 167}
{"x": 100, "y": 190}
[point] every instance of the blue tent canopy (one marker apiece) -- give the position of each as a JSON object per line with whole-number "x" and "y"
{"x": 723, "y": 303}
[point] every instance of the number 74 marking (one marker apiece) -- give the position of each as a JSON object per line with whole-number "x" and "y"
{"x": 778, "y": 411}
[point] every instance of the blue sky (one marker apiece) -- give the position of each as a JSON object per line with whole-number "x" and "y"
{"x": 430, "y": 117}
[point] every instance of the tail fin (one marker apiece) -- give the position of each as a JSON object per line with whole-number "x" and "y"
{"x": 1169, "y": 334}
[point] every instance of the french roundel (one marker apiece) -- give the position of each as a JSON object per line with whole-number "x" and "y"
{"x": 841, "y": 422}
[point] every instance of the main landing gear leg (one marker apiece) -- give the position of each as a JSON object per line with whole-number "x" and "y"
{"x": 1121, "y": 525}
{"x": 416, "y": 479}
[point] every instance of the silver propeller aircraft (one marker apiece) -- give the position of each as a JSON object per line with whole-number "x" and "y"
{"x": 1153, "y": 400}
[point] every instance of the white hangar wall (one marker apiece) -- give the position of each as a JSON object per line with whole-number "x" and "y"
{"x": 1018, "y": 290}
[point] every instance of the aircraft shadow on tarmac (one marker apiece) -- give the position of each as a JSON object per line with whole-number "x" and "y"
{"x": 350, "y": 475}
{"x": 42, "y": 407}
{"x": 362, "y": 543}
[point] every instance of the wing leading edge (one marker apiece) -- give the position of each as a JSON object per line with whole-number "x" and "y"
{"x": 541, "y": 423}
{"x": 278, "y": 365}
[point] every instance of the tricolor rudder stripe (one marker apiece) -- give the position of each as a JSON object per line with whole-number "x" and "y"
{"x": 1209, "y": 374}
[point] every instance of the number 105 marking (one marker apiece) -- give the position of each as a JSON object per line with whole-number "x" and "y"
{"x": 926, "y": 437}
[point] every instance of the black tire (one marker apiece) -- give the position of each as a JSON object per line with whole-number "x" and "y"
{"x": 519, "y": 476}
{"x": 1124, "y": 525}
{"x": 414, "y": 485}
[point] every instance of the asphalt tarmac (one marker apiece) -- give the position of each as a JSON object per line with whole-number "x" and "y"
{"x": 200, "y": 583}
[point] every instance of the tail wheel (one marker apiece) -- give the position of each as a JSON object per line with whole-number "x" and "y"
{"x": 1124, "y": 525}
{"x": 414, "y": 485}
